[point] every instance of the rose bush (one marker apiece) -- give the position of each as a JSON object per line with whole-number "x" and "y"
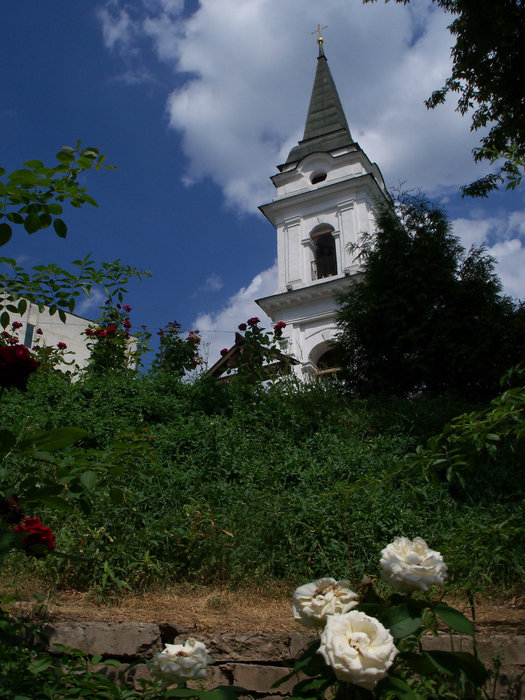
{"x": 358, "y": 648}
{"x": 410, "y": 565}
{"x": 313, "y": 602}
{"x": 37, "y": 540}
{"x": 375, "y": 651}
{"x": 178, "y": 663}
{"x": 16, "y": 364}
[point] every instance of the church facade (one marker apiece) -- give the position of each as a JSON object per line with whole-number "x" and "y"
{"x": 327, "y": 193}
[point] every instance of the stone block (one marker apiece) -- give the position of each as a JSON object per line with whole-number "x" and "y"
{"x": 119, "y": 639}
{"x": 260, "y": 679}
{"x": 252, "y": 648}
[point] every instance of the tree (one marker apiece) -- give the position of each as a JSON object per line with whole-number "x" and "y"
{"x": 487, "y": 73}
{"x": 425, "y": 315}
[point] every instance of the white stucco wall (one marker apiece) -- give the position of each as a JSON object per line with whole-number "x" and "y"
{"x": 345, "y": 201}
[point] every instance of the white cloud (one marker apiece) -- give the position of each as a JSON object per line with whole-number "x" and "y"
{"x": 246, "y": 71}
{"x": 89, "y": 305}
{"x": 504, "y": 237}
{"x": 218, "y": 327}
{"x": 213, "y": 283}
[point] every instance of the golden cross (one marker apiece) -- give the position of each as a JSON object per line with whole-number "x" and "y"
{"x": 319, "y": 30}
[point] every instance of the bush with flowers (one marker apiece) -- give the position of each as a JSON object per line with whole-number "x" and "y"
{"x": 257, "y": 350}
{"x": 111, "y": 345}
{"x": 372, "y": 646}
{"x": 177, "y": 355}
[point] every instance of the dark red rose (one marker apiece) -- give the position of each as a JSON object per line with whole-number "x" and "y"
{"x": 127, "y": 308}
{"x": 61, "y": 346}
{"x": 100, "y": 333}
{"x": 13, "y": 340}
{"x": 89, "y": 331}
{"x": 16, "y": 364}
{"x": 16, "y": 324}
{"x": 144, "y": 326}
{"x": 280, "y": 324}
{"x": 126, "y": 324}
{"x": 10, "y": 510}
{"x": 39, "y": 331}
{"x": 253, "y": 321}
{"x": 242, "y": 326}
{"x": 224, "y": 351}
{"x": 39, "y": 540}
{"x": 111, "y": 329}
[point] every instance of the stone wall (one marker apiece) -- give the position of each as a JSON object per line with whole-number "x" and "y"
{"x": 253, "y": 661}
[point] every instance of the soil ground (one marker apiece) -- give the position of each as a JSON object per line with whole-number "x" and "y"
{"x": 213, "y": 609}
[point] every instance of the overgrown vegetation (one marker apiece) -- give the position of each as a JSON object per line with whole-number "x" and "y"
{"x": 229, "y": 482}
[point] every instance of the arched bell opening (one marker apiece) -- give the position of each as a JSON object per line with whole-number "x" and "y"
{"x": 324, "y": 263}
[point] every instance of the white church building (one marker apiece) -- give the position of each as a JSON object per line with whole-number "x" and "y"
{"x": 327, "y": 195}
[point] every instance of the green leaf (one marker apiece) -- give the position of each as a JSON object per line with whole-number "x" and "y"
{"x": 55, "y": 502}
{"x": 55, "y": 208}
{"x": 454, "y": 619}
{"x": 397, "y": 686}
{"x": 89, "y": 478}
{"x": 116, "y": 495}
{"x": 4, "y": 319}
{"x": 402, "y": 619}
{"x": 181, "y": 693}
{"x": 222, "y": 692}
{"x": 5, "y": 233}
{"x": 39, "y": 665}
{"x": 32, "y": 223}
{"x": 452, "y": 663}
{"x": 15, "y": 218}
{"x": 65, "y": 158}
{"x": 53, "y": 439}
{"x": 22, "y": 307}
{"x": 7, "y": 440}
{"x": 60, "y": 228}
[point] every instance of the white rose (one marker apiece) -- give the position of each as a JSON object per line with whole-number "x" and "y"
{"x": 181, "y": 662}
{"x": 313, "y": 602}
{"x": 411, "y": 565}
{"x": 358, "y": 648}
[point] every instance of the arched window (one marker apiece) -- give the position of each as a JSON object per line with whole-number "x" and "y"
{"x": 324, "y": 263}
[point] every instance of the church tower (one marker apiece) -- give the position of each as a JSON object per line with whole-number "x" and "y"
{"x": 327, "y": 193}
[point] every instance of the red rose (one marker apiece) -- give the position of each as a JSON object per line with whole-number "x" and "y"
{"x": 100, "y": 333}
{"x": 224, "y": 351}
{"x": 17, "y": 324}
{"x": 61, "y": 346}
{"x": 281, "y": 325}
{"x": 242, "y": 326}
{"x": 16, "y": 364}
{"x": 127, "y": 308}
{"x": 13, "y": 340}
{"x": 10, "y": 510}
{"x": 111, "y": 329}
{"x": 253, "y": 321}
{"x": 126, "y": 324}
{"x": 89, "y": 331}
{"x": 39, "y": 540}
{"x": 39, "y": 331}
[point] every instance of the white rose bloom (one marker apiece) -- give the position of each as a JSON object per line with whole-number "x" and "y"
{"x": 358, "y": 648}
{"x": 181, "y": 662}
{"x": 313, "y": 602}
{"x": 411, "y": 565}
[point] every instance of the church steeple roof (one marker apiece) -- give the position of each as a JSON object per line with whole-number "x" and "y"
{"x": 326, "y": 127}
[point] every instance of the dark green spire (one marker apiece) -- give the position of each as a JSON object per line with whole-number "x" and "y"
{"x": 326, "y": 126}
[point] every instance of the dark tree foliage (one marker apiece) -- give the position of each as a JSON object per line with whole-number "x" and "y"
{"x": 488, "y": 74}
{"x": 425, "y": 316}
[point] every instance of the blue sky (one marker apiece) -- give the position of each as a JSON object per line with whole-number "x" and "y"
{"x": 196, "y": 103}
